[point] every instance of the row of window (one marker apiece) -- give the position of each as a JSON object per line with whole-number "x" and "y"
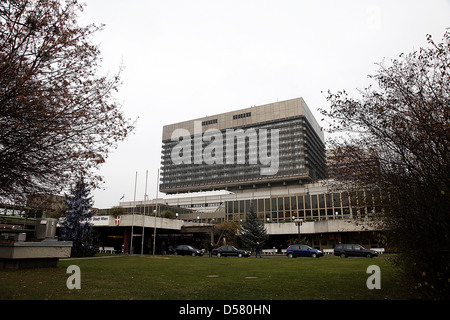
{"x": 208, "y": 122}
{"x": 317, "y": 206}
{"x": 250, "y": 174}
{"x": 242, "y": 115}
{"x": 236, "y": 116}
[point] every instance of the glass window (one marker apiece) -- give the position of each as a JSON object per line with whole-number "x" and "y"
{"x": 321, "y": 201}
{"x": 322, "y": 213}
{"x": 307, "y": 202}
{"x": 229, "y": 205}
{"x": 315, "y": 213}
{"x": 328, "y": 200}
{"x": 360, "y": 198}
{"x": 345, "y": 202}
{"x": 260, "y": 205}
{"x": 247, "y": 206}
{"x": 267, "y": 205}
{"x": 314, "y": 201}
{"x": 280, "y": 204}
{"x": 300, "y": 202}
{"x": 353, "y": 200}
{"x": 274, "y": 216}
{"x": 330, "y": 213}
{"x": 287, "y": 205}
{"x": 337, "y": 200}
{"x": 293, "y": 203}
{"x": 308, "y": 215}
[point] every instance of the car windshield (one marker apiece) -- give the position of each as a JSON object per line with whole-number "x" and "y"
{"x": 189, "y": 247}
{"x": 358, "y": 247}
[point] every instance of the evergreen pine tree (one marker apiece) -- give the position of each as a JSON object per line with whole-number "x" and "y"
{"x": 253, "y": 231}
{"x": 76, "y": 226}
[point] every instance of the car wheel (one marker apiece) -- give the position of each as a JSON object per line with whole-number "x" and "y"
{"x": 313, "y": 255}
{"x": 193, "y": 254}
{"x": 240, "y": 255}
{"x": 290, "y": 255}
{"x": 218, "y": 255}
{"x": 176, "y": 253}
{"x": 343, "y": 255}
{"x": 369, "y": 255}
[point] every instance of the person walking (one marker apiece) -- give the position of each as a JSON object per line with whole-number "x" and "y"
{"x": 210, "y": 249}
{"x": 258, "y": 250}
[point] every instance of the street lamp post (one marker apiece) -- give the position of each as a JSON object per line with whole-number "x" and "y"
{"x": 298, "y": 223}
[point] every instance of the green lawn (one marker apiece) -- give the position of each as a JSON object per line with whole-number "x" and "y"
{"x": 204, "y": 278}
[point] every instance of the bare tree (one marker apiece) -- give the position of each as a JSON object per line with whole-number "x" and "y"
{"x": 397, "y": 140}
{"x": 58, "y": 118}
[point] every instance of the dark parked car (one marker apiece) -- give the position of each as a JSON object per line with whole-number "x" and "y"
{"x": 225, "y": 251}
{"x": 188, "y": 251}
{"x": 353, "y": 250}
{"x": 301, "y": 250}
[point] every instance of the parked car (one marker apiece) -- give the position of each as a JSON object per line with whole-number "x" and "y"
{"x": 225, "y": 251}
{"x": 353, "y": 250}
{"x": 184, "y": 250}
{"x": 301, "y": 250}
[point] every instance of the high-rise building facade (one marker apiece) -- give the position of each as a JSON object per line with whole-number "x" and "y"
{"x": 274, "y": 144}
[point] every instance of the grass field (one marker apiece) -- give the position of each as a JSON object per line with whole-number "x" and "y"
{"x": 204, "y": 278}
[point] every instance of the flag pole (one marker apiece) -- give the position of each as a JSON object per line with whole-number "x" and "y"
{"x": 134, "y": 209}
{"x": 143, "y": 217}
{"x": 156, "y": 212}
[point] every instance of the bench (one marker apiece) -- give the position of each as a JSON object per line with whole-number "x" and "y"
{"x": 109, "y": 250}
{"x": 106, "y": 250}
{"x": 269, "y": 251}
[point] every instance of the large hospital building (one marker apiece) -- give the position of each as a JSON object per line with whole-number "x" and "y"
{"x": 270, "y": 158}
{"x": 274, "y": 144}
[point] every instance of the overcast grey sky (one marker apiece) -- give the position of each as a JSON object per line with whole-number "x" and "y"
{"x": 186, "y": 59}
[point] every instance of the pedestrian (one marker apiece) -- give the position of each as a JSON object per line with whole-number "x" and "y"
{"x": 258, "y": 250}
{"x": 163, "y": 247}
{"x": 210, "y": 249}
